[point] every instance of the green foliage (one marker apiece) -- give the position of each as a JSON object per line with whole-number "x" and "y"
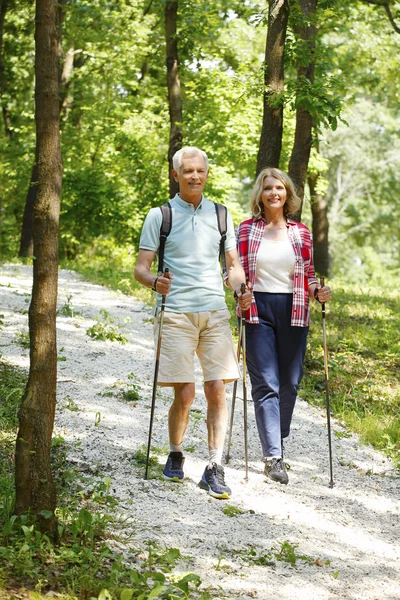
{"x": 364, "y": 360}
{"x": 67, "y": 310}
{"x": 139, "y": 458}
{"x": 108, "y": 329}
{"x": 12, "y": 383}
{"x": 287, "y": 553}
{"x": 363, "y": 191}
{"x": 132, "y": 391}
{"x": 252, "y": 557}
{"x": 232, "y": 511}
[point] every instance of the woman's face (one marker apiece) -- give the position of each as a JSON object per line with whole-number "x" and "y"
{"x": 273, "y": 195}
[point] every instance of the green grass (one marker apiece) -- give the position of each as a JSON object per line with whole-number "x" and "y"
{"x": 364, "y": 364}
{"x": 12, "y": 383}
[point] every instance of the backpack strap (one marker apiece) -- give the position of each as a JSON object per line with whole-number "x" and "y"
{"x": 222, "y": 213}
{"x": 165, "y": 230}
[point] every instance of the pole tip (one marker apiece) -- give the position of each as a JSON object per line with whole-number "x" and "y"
{"x": 331, "y": 484}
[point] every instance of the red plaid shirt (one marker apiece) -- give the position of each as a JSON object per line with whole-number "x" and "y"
{"x": 248, "y": 237}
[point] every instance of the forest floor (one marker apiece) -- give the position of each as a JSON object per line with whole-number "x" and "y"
{"x": 303, "y": 541}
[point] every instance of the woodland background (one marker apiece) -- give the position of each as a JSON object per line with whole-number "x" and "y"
{"x": 95, "y": 96}
{"x": 115, "y": 122}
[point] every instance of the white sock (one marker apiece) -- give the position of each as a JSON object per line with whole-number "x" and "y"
{"x": 215, "y": 456}
{"x": 176, "y": 447}
{"x": 268, "y": 458}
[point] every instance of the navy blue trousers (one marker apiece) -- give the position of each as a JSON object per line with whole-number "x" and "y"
{"x": 275, "y": 355}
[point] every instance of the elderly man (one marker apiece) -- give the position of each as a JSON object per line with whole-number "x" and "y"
{"x": 196, "y": 319}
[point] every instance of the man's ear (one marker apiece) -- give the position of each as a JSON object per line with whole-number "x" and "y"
{"x": 175, "y": 175}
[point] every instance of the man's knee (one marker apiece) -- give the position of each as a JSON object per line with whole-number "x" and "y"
{"x": 184, "y": 395}
{"x": 215, "y": 390}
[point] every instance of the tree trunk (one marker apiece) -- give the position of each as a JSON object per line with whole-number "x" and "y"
{"x": 174, "y": 89}
{"x": 4, "y": 108}
{"x": 26, "y": 243}
{"x": 64, "y": 75}
{"x": 272, "y": 128}
{"x": 320, "y": 228}
{"x": 35, "y": 489}
{"x": 300, "y": 156}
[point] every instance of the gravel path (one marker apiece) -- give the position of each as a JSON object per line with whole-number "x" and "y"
{"x": 344, "y": 541}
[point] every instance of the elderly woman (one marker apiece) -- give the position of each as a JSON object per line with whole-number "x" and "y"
{"x": 277, "y": 256}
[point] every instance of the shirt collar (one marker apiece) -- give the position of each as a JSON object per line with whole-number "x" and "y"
{"x": 187, "y": 205}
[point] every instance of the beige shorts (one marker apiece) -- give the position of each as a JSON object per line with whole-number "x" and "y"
{"x": 206, "y": 334}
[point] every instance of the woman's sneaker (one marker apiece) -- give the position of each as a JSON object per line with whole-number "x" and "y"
{"x": 173, "y": 470}
{"x": 213, "y": 481}
{"x": 275, "y": 469}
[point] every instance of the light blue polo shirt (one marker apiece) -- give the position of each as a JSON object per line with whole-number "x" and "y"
{"x": 191, "y": 254}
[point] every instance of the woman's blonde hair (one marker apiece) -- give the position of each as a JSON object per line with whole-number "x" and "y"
{"x": 292, "y": 203}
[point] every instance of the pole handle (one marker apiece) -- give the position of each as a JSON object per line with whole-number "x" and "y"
{"x": 165, "y": 274}
{"x": 322, "y": 283}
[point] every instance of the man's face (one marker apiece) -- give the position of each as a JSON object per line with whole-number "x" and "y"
{"x": 192, "y": 177}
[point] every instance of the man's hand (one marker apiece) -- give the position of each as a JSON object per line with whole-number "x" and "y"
{"x": 163, "y": 284}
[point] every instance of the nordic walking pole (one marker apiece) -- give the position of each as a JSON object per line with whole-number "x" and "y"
{"x": 328, "y": 408}
{"x": 243, "y": 321}
{"x": 153, "y": 399}
{"x": 228, "y": 455}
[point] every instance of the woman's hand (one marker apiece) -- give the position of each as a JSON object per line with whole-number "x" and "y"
{"x": 244, "y": 298}
{"x": 322, "y": 294}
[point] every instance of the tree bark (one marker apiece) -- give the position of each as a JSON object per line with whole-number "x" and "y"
{"x": 174, "y": 89}
{"x": 64, "y": 75}
{"x": 320, "y": 228}
{"x": 272, "y": 128}
{"x": 300, "y": 156}
{"x": 26, "y": 242}
{"x": 35, "y": 489}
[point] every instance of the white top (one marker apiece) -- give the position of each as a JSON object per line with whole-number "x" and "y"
{"x": 275, "y": 267}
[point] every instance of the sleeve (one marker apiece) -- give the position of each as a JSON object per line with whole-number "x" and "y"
{"x": 242, "y": 246}
{"x": 230, "y": 242}
{"x": 150, "y": 236}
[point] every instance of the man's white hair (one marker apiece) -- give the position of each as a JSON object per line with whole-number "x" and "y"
{"x": 187, "y": 151}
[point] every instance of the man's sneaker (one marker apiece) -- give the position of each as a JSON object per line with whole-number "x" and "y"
{"x": 275, "y": 469}
{"x": 213, "y": 480}
{"x": 173, "y": 470}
